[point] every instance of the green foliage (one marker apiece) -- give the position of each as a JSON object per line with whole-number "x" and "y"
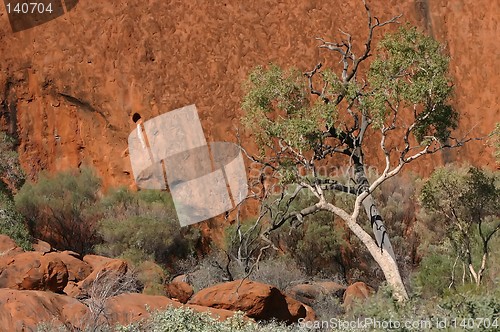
{"x": 11, "y": 174}
{"x": 143, "y": 226}
{"x": 464, "y": 203}
{"x": 316, "y": 246}
{"x": 12, "y": 223}
{"x": 277, "y": 105}
{"x": 60, "y": 209}
{"x": 473, "y": 303}
{"x": 467, "y": 195}
{"x": 136, "y": 238}
{"x": 152, "y": 277}
{"x": 186, "y": 320}
{"x": 459, "y": 307}
{"x": 462, "y": 199}
{"x": 274, "y": 88}
{"x": 410, "y": 74}
{"x": 410, "y": 70}
{"x": 495, "y": 138}
{"x": 433, "y": 276}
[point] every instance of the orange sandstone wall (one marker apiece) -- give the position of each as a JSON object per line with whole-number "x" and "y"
{"x": 69, "y": 87}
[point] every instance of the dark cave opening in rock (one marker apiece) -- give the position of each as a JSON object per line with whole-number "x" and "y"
{"x": 136, "y": 117}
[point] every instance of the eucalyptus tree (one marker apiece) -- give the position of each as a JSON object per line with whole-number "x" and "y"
{"x": 465, "y": 203}
{"x": 393, "y": 108}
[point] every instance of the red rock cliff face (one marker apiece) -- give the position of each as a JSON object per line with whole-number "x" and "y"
{"x": 69, "y": 87}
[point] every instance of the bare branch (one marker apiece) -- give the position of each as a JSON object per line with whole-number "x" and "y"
{"x": 329, "y": 184}
{"x": 310, "y": 75}
{"x": 369, "y": 39}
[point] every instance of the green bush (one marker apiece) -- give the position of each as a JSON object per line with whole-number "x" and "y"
{"x": 186, "y": 320}
{"x": 280, "y": 272}
{"x": 12, "y": 223}
{"x": 11, "y": 174}
{"x": 475, "y": 305}
{"x": 434, "y": 274}
{"x": 60, "y": 209}
{"x": 462, "y": 206}
{"x": 316, "y": 245}
{"x": 142, "y": 226}
{"x": 152, "y": 277}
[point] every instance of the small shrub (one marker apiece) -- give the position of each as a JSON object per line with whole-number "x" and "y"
{"x": 51, "y": 327}
{"x": 280, "y": 272}
{"x": 473, "y": 303}
{"x": 480, "y": 304}
{"x": 105, "y": 286}
{"x": 152, "y": 277}
{"x": 212, "y": 270}
{"x": 327, "y": 307}
{"x": 60, "y": 209}
{"x": 434, "y": 274}
{"x": 12, "y": 223}
{"x": 143, "y": 226}
{"x": 11, "y": 174}
{"x": 316, "y": 244}
{"x": 186, "y": 320}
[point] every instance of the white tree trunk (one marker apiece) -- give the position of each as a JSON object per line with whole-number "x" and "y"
{"x": 384, "y": 259}
{"x": 372, "y": 212}
{"x": 378, "y": 227}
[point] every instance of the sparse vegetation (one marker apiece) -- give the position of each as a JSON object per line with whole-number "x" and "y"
{"x": 466, "y": 204}
{"x": 186, "y": 320}
{"x": 11, "y": 174}
{"x": 60, "y": 209}
{"x": 460, "y": 307}
{"x": 13, "y": 224}
{"x": 396, "y": 108}
{"x": 143, "y": 226}
{"x": 429, "y": 247}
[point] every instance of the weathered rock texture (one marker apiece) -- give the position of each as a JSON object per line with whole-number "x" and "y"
{"x": 358, "y": 291}
{"x": 8, "y": 247}
{"x": 33, "y": 270}
{"x": 29, "y": 280}
{"x": 257, "y": 300}
{"x": 69, "y": 87}
{"x": 24, "y": 310}
{"x": 179, "y": 289}
{"x": 310, "y": 293}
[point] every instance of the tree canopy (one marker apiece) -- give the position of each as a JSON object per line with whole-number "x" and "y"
{"x": 466, "y": 203}
{"x": 306, "y": 123}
